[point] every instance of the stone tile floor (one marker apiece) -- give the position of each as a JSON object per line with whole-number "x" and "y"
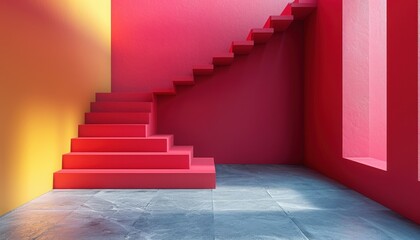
{"x": 250, "y": 202}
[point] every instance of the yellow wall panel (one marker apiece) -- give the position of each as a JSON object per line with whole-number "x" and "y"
{"x": 54, "y": 55}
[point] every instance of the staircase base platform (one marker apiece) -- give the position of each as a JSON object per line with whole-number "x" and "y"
{"x": 201, "y": 175}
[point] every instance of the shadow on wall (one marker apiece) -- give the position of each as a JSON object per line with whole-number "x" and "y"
{"x": 250, "y": 112}
{"x": 54, "y": 56}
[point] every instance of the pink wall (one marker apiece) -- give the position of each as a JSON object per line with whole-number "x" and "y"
{"x": 398, "y": 187}
{"x": 356, "y": 78}
{"x": 377, "y": 79}
{"x": 364, "y": 79}
{"x": 154, "y": 42}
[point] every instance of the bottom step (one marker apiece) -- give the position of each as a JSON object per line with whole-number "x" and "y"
{"x": 202, "y": 174}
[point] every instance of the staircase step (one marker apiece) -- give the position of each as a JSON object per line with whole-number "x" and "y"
{"x": 127, "y": 160}
{"x": 280, "y": 23}
{"x": 165, "y": 92}
{"x": 121, "y": 107}
{"x": 201, "y": 70}
{"x": 158, "y": 143}
{"x": 117, "y": 117}
{"x": 242, "y": 47}
{"x": 201, "y": 174}
{"x": 124, "y": 97}
{"x": 224, "y": 59}
{"x": 302, "y": 10}
{"x": 186, "y": 81}
{"x": 261, "y": 35}
{"x": 113, "y": 130}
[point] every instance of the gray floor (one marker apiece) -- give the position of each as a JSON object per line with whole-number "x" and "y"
{"x": 250, "y": 202}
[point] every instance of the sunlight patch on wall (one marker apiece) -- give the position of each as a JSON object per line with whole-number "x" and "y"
{"x": 364, "y": 82}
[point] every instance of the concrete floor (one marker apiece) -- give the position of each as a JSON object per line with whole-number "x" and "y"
{"x": 250, "y": 202}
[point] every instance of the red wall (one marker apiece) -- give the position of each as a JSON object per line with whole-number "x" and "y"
{"x": 154, "y": 42}
{"x": 397, "y": 188}
{"x": 250, "y": 112}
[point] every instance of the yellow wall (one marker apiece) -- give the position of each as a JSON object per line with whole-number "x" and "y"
{"x": 54, "y": 55}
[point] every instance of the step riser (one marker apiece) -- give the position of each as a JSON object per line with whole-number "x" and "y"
{"x": 180, "y": 161}
{"x": 119, "y": 145}
{"x": 117, "y": 118}
{"x": 123, "y": 97}
{"x": 280, "y": 26}
{"x": 239, "y": 50}
{"x": 301, "y": 10}
{"x": 133, "y": 181}
{"x": 166, "y": 92}
{"x": 203, "y": 70}
{"x": 242, "y": 48}
{"x": 184, "y": 83}
{"x": 280, "y": 23}
{"x": 261, "y": 37}
{"x": 222, "y": 61}
{"x": 120, "y": 107}
{"x": 104, "y": 130}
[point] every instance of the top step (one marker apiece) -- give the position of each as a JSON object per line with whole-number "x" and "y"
{"x": 279, "y": 23}
{"x": 302, "y": 10}
{"x": 260, "y": 35}
{"x": 124, "y": 97}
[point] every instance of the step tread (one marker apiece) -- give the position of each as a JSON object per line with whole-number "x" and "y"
{"x": 305, "y": 5}
{"x": 181, "y": 148}
{"x": 204, "y": 66}
{"x": 262, "y": 30}
{"x": 124, "y": 138}
{"x": 115, "y": 113}
{"x": 115, "y": 124}
{"x": 243, "y": 43}
{"x": 260, "y": 35}
{"x": 281, "y": 18}
{"x": 279, "y": 22}
{"x": 124, "y": 96}
{"x": 198, "y": 165}
{"x": 124, "y": 106}
{"x": 117, "y": 117}
{"x": 242, "y": 47}
{"x": 225, "y": 55}
{"x": 122, "y": 144}
{"x": 223, "y": 59}
{"x": 127, "y": 160}
{"x": 176, "y": 150}
{"x": 123, "y": 102}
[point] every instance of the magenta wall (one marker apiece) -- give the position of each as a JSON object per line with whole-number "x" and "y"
{"x": 250, "y": 112}
{"x": 397, "y": 188}
{"x": 154, "y": 42}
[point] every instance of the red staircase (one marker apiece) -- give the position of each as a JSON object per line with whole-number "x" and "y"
{"x": 118, "y": 147}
